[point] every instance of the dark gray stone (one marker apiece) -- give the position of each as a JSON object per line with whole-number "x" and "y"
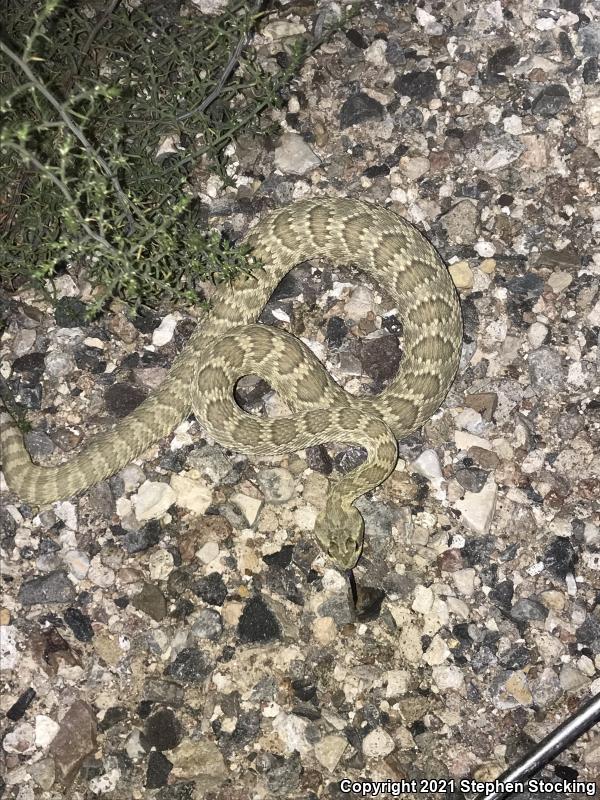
{"x": 380, "y": 358}
{"x": 359, "y": 108}
{"x": 122, "y": 398}
{"x": 500, "y": 61}
{"x": 526, "y": 610}
{"x": 551, "y": 100}
{"x": 70, "y": 313}
{"x": 258, "y": 623}
{"x": 191, "y": 665}
{"x": 80, "y": 624}
{"x": 39, "y": 444}
{"x": 560, "y": 557}
{"x": 212, "y": 589}
{"x": 162, "y": 731}
{"x": 546, "y": 370}
{"x": 417, "y": 85}
{"x": 151, "y": 601}
{"x": 159, "y": 768}
{"x": 472, "y": 479}
{"x": 54, "y": 587}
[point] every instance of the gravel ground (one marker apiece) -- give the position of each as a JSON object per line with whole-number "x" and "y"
{"x": 175, "y": 633}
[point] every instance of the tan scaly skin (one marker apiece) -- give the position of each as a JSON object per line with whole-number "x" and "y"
{"x": 228, "y": 345}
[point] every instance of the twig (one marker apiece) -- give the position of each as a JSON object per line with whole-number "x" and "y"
{"x": 93, "y": 33}
{"x": 220, "y": 83}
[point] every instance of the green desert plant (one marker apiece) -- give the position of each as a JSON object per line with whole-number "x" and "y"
{"x": 106, "y": 114}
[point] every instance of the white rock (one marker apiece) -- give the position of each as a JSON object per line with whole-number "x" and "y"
{"x": 324, "y": 630}
{"x": 318, "y": 348}
{"x": 43, "y": 773}
{"x": 461, "y": 274}
{"x": 537, "y": 334}
{"x": 533, "y": 462}
{"x": 9, "y": 653}
{"x": 293, "y": 155}
{"x": 437, "y": 652}
{"x": 408, "y": 640}
{"x": 458, "y": 607}
{"x": 470, "y": 420}
{"x": 571, "y": 679}
{"x": 423, "y": 599}
{"x": 477, "y": 508}
{"x": 464, "y": 580}
{"x": 378, "y": 744}
{"x": 63, "y": 285}
{"x": 59, "y": 364}
{"x": 133, "y": 745}
{"x": 164, "y": 333}
{"x": 305, "y": 518}
{"x": 281, "y": 28}
{"x": 424, "y": 18}
{"x": 208, "y": 552}
{"x": 249, "y": 506}
{"x": 360, "y": 303}
{"x": 26, "y": 793}
{"x": 513, "y": 125}
{"x": 415, "y": 168}
{"x": 171, "y": 143}
{"x": 21, "y": 740}
{"x": 45, "y": 730}
{"x": 211, "y": 7}
{"x": 78, "y": 563}
{"x": 464, "y": 441}
{"x": 191, "y": 492}
{"x": 591, "y": 534}
{"x": 291, "y": 729}
{"x": 397, "y": 682}
{"x": 124, "y": 507}
{"x": 277, "y": 484}
{"x": 448, "y": 677}
{"x": 329, "y": 751}
{"x": 428, "y": 465}
{"x": 152, "y": 500}
{"x": 559, "y": 281}
{"x": 23, "y": 342}
{"x": 105, "y": 783}
{"x": 594, "y": 316}
{"x": 67, "y": 513}
{"x": 592, "y": 560}
{"x": 484, "y": 249}
{"x": 160, "y": 565}
{"x": 132, "y": 477}
{"x": 375, "y": 53}
{"x": 100, "y": 574}
{"x": 94, "y": 343}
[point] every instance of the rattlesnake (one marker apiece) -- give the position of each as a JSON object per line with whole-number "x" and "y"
{"x": 227, "y": 345}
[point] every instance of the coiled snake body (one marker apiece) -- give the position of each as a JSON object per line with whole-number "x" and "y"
{"x": 228, "y": 345}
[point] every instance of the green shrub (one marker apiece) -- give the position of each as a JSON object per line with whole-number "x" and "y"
{"x": 88, "y": 97}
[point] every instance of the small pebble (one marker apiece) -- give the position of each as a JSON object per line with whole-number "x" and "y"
{"x": 378, "y": 744}
{"x": 461, "y": 274}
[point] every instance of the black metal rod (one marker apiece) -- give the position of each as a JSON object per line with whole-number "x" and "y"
{"x": 553, "y": 744}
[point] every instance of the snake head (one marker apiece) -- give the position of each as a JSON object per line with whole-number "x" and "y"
{"x": 339, "y": 531}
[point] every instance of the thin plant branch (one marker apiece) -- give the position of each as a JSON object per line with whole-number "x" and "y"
{"x": 27, "y": 156}
{"x": 94, "y": 32}
{"x": 231, "y": 64}
{"x": 75, "y": 129}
